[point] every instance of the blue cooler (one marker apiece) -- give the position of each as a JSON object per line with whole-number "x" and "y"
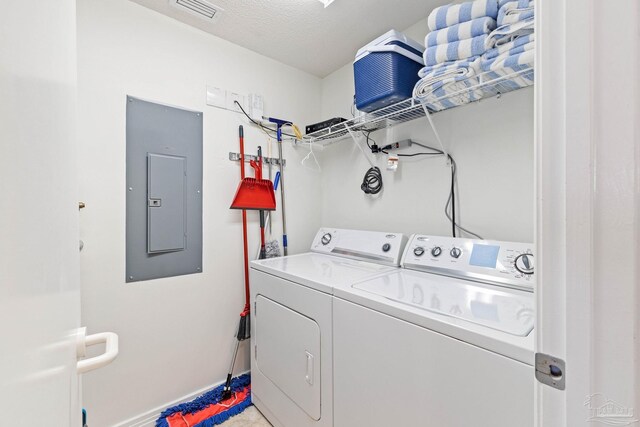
{"x": 386, "y": 70}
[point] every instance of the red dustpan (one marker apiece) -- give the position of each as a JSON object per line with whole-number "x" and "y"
{"x": 254, "y": 193}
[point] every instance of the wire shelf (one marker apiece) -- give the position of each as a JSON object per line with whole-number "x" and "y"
{"x": 473, "y": 89}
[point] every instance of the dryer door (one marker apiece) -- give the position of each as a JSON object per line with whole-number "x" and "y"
{"x": 288, "y": 353}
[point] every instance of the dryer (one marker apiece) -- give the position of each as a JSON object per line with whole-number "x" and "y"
{"x": 292, "y": 327}
{"x": 445, "y": 341}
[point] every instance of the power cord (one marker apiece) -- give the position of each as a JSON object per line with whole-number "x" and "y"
{"x": 372, "y": 182}
{"x": 450, "y": 206}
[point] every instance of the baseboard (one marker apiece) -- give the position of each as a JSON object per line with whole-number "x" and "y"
{"x": 148, "y": 418}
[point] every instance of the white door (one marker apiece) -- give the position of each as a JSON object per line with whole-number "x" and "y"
{"x": 588, "y": 209}
{"x": 39, "y": 275}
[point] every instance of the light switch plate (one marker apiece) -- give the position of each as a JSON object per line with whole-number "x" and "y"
{"x": 216, "y": 97}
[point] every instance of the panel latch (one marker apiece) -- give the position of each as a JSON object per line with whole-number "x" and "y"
{"x": 550, "y": 371}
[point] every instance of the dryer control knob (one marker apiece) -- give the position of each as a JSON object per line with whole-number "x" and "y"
{"x": 418, "y": 251}
{"x": 326, "y": 239}
{"x": 524, "y": 263}
{"x": 436, "y": 251}
{"x": 455, "y": 252}
{"x": 386, "y": 247}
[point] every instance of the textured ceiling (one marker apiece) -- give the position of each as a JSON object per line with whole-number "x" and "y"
{"x": 302, "y": 33}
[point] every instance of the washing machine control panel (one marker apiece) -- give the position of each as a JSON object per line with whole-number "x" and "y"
{"x": 502, "y": 263}
{"x": 372, "y": 246}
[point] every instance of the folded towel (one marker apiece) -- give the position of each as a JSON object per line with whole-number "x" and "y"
{"x": 517, "y": 66}
{"x": 454, "y": 51}
{"x": 515, "y": 11}
{"x": 509, "y": 32}
{"x": 449, "y": 84}
{"x": 520, "y": 3}
{"x": 516, "y": 46}
{"x": 466, "y": 30}
{"x": 441, "y": 69}
{"x": 521, "y": 57}
{"x": 452, "y": 14}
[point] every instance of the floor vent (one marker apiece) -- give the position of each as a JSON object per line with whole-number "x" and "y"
{"x": 201, "y": 8}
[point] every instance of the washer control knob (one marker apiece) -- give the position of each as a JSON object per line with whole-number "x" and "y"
{"x": 455, "y": 252}
{"x": 326, "y": 239}
{"x": 418, "y": 251}
{"x": 436, "y": 251}
{"x": 386, "y": 247}
{"x": 524, "y": 263}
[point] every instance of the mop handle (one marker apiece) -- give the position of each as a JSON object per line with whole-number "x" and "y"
{"x": 247, "y": 304}
{"x": 284, "y": 219}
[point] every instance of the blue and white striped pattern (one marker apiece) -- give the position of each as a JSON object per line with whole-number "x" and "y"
{"x": 452, "y": 14}
{"x": 507, "y": 63}
{"x": 519, "y": 45}
{"x": 444, "y": 68}
{"x": 449, "y": 85}
{"x": 522, "y": 58}
{"x": 454, "y": 51}
{"x": 466, "y": 30}
{"x": 509, "y": 32}
{"x": 515, "y": 11}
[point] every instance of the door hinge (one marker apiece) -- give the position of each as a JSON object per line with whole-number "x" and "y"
{"x": 255, "y": 352}
{"x": 551, "y": 371}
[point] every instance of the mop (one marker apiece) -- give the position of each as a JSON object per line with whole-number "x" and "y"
{"x": 211, "y": 408}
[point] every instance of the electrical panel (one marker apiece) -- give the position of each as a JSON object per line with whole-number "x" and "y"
{"x": 164, "y": 191}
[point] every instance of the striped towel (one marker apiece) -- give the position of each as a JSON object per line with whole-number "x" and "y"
{"x": 449, "y": 85}
{"x": 509, "y": 32}
{"x": 518, "y": 60}
{"x": 466, "y": 30}
{"x": 454, "y": 51}
{"x": 515, "y": 11}
{"x": 452, "y": 14}
{"x": 516, "y": 46}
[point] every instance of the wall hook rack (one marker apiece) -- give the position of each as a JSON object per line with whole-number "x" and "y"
{"x": 235, "y": 157}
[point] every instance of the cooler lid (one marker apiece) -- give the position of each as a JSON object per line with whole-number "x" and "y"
{"x": 394, "y": 41}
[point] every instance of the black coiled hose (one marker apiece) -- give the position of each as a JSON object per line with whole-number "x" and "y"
{"x": 372, "y": 182}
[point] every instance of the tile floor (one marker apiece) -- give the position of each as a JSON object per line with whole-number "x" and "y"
{"x": 250, "y": 417}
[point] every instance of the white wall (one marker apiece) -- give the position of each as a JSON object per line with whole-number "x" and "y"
{"x": 491, "y": 141}
{"x": 176, "y": 334}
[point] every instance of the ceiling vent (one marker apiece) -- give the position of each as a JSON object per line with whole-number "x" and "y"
{"x": 201, "y": 8}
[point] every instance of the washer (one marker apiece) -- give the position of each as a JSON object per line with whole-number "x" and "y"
{"x": 291, "y": 338}
{"x": 445, "y": 341}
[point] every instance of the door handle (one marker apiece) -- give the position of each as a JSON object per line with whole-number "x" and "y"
{"x": 309, "y": 374}
{"x": 109, "y": 339}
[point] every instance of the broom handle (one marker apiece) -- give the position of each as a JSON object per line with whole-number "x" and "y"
{"x": 247, "y": 305}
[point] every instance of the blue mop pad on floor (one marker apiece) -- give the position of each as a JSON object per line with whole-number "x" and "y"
{"x": 209, "y": 410}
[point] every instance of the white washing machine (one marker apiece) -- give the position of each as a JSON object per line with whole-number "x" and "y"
{"x": 291, "y": 338}
{"x": 445, "y": 341}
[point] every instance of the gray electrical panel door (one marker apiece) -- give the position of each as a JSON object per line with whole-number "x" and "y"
{"x": 164, "y": 191}
{"x": 167, "y": 178}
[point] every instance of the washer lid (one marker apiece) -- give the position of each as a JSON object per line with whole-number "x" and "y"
{"x": 321, "y": 272}
{"x": 505, "y": 310}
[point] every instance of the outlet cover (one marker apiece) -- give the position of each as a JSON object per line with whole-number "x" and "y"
{"x": 232, "y": 97}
